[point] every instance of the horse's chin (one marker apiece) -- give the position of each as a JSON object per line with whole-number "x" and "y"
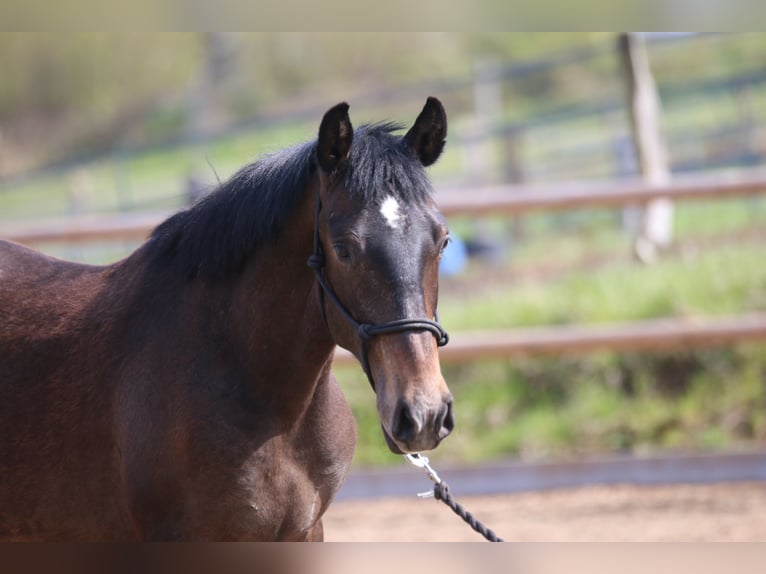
{"x": 392, "y": 446}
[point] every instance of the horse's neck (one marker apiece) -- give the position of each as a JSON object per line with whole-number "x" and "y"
{"x": 275, "y": 316}
{"x": 275, "y": 304}
{"x": 265, "y": 326}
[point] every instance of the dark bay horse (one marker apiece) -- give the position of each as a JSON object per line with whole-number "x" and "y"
{"x": 185, "y": 392}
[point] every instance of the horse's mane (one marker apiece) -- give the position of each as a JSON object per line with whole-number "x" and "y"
{"x": 214, "y": 238}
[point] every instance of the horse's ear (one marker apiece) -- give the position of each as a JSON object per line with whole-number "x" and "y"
{"x": 335, "y": 137}
{"x": 427, "y": 137}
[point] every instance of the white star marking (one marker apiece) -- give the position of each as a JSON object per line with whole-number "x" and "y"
{"x": 390, "y": 211}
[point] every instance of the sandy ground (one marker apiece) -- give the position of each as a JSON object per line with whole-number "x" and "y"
{"x": 678, "y": 513}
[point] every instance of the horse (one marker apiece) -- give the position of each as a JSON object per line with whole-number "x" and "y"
{"x": 185, "y": 392}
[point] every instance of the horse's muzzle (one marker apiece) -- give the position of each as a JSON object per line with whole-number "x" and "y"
{"x": 417, "y": 428}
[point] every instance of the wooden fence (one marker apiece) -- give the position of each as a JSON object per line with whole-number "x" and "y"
{"x": 647, "y": 335}
{"x": 515, "y": 200}
{"x": 486, "y": 200}
{"x": 652, "y": 335}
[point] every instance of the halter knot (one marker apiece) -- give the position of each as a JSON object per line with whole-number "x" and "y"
{"x": 365, "y": 331}
{"x": 316, "y": 261}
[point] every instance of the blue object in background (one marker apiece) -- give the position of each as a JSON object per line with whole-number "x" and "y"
{"x": 454, "y": 258}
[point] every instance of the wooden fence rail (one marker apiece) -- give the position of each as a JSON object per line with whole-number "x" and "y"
{"x": 84, "y": 228}
{"x": 505, "y": 200}
{"x": 514, "y": 200}
{"x": 648, "y": 335}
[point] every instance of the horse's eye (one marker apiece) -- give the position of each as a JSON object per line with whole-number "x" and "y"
{"x": 445, "y": 243}
{"x": 341, "y": 251}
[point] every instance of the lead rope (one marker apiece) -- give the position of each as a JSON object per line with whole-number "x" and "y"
{"x": 441, "y": 492}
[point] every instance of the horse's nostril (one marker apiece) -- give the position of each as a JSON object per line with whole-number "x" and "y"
{"x": 446, "y": 421}
{"x": 406, "y": 424}
{"x": 409, "y": 424}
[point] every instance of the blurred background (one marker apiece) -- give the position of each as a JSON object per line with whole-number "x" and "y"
{"x": 606, "y": 327}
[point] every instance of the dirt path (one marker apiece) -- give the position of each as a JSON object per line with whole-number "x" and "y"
{"x": 709, "y": 512}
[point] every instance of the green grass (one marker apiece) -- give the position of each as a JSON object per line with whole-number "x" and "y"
{"x": 153, "y": 177}
{"x": 719, "y": 281}
{"x": 565, "y": 408}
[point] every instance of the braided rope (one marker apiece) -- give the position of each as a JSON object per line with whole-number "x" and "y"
{"x": 441, "y": 492}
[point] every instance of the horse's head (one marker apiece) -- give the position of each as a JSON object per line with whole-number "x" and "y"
{"x": 379, "y": 239}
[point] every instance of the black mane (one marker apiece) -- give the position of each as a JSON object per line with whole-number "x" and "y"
{"x": 214, "y": 238}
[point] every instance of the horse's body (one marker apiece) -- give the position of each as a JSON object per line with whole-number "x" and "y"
{"x": 185, "y": 392}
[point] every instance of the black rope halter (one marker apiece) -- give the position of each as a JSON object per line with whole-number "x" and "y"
{"x": 365, "y": 331}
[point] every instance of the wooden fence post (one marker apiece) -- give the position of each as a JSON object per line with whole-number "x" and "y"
{"x": 488, "y": 104}
{"x": 656, "y": 229}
